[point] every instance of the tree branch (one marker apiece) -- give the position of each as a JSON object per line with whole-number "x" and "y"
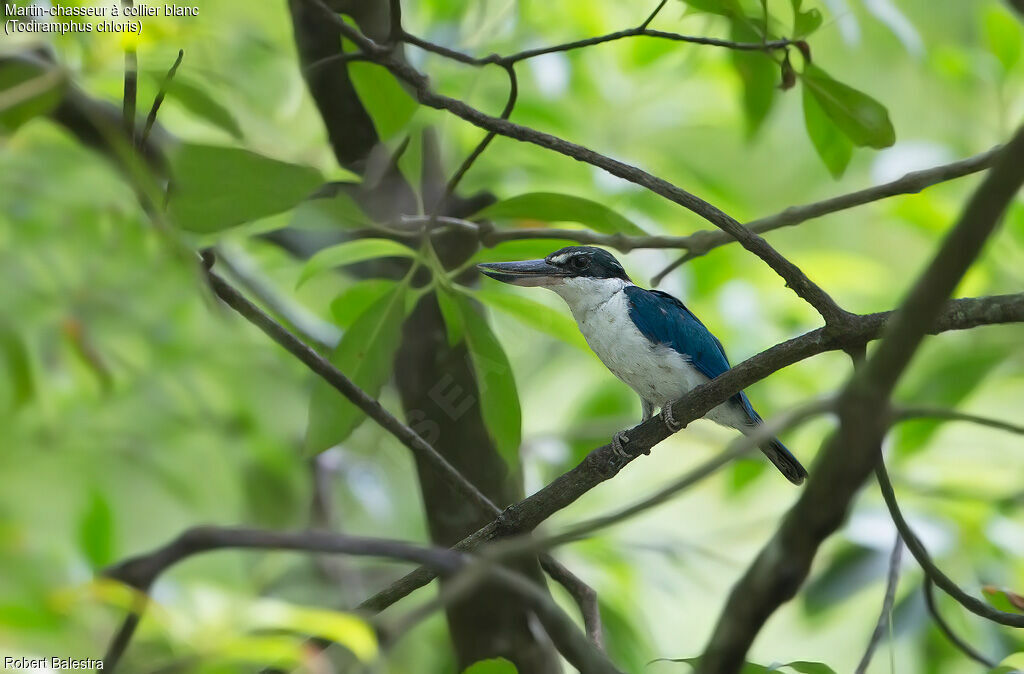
{"x": 601, "y": 463}
{"x": 854, "y": 451}
{"x": 795, "y": 279}
{"x": 704, "y": 241}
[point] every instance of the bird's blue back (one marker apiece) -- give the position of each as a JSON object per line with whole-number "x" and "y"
{"x": 663, "y": 319}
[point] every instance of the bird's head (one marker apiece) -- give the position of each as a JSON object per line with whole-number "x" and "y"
{"x": 579, "y": 263}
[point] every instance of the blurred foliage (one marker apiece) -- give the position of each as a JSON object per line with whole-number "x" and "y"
{"x": 132, "y": 406}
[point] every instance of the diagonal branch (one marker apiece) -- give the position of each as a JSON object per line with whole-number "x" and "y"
{"x": 854, "y": 451}
{"x": 947, "y": 631}
{"x": 794, "y": 277}
{"x": 601, "y": 463}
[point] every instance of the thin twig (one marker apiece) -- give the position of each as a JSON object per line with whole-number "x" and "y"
{"x": 159, "y": 98}
{"x": 511, "y": 59}
{"x": 906, "y": 413}
{"x": 972, "y": 604}
{"x": 453, "y": 183}
{"x": 884, "y": 623}
{"x": 653, "y": 14}
{"x": 929, "y": 600}
{"x": 911, "y": 183}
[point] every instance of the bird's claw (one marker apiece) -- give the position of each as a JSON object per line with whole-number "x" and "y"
{"x": 670, "y": 420}
{"x": 619, "y": 441}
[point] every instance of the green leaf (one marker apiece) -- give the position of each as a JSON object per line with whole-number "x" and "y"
{"x": 1003, "y": 599}
{"x": 351, "y": 252}
{"x": 1002, "y": 35}
{"x": 451, "y": 314}
{"x": 194, "y": 99}
{"x": 525, "y": 249}
{"x": 389, "y": 105}
{"x": 27, "y": 90}
{"x": 346, "y": 629}
{"x": 834, "y": 148}
{"x": 538, "y": 316}
{"x": 553, "y": 207}
{"x": 15, "y": 354}
{"x": 720, "y": 7}
{"x": 219, "y": 187}
{"x": 759, "y": 75}
{"x": 337, "y": 211}
{"x": 493, "y": 666}
{"x": 864, "y": 120}
{"x": 96, "y": 531}
{"x": 804, "y": 22}
{"x": 357, "y": 298}
{"x": 365, "y": 355}
{"x": 499, "y": 399}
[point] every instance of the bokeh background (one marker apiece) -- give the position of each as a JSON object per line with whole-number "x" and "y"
{"x": 132, "y": 406}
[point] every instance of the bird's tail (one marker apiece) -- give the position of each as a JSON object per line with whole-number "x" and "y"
{"x": 784, "y": 461}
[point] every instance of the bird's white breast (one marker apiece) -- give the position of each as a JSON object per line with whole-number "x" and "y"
{"x": 658, "y": 373}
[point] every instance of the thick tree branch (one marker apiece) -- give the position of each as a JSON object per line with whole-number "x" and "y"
{"x": 795, "y": 279}
{"x": 601, "y": 463}
{"x": 854, "y": 451}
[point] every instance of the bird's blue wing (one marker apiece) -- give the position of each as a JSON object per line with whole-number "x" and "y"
{"x": 663, "y": 319}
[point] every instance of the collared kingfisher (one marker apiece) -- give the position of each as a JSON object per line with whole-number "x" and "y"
{"x": 647, "y": 338}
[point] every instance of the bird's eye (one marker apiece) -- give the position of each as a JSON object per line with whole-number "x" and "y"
{"x": 580, "y": 261}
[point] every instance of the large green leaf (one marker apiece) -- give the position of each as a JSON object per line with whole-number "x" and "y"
{"x": 499, "y": 399}
{"x": 451, "y": 314}
{"x": 219, "y": 187}
{"x": 834, "y": 148}
{"x": 554, "y": 207}
{"x": 27, "y": 90}
{"x": 492, "y": 666}
{"x": 864, "y": 120}
{"x": 351, "y": 252}
{"x": 357, "y": 298}
{"x": 96, "y": 531}
{"x": 526, "y": 249}
{"x": 759, "y": 75}
{"x": 390, "y": 106}
{"x": 536, "y": 315}
{"x": 365, "y": 355}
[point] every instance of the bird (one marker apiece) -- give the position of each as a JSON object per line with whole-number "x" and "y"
{"x": 647, "y": 338}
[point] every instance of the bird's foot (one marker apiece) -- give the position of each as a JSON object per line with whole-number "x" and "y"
{"x": 619, "y": 441}
{"x": 670, "y": 421}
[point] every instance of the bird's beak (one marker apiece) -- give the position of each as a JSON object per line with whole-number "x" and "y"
{"x": 524, "y": 273}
